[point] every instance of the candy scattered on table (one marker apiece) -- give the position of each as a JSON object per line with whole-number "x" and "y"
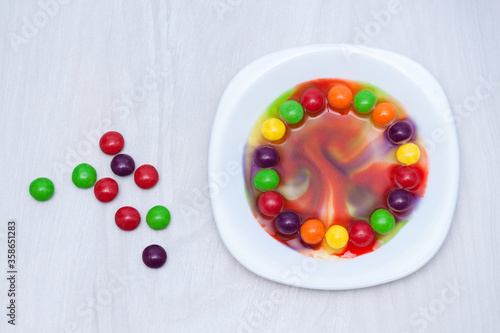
{"x": 84, "y": 175}
{"x": 312, "y": 231}
{"x": 127, "y": 218}
{"x": 111, "y": 143}
{"x": 270, "y": 203}
{"x": 407, "y": 177}
{"x": 266, "y": 180}
{"x": 400, "y": 132}
{"x": 41, "y": 189}
{"x": 384, "y": 114}
{"x": 337, "y": 237}
{"x": 265, "y": 157}
{"x": 106, "y": 189}
{"x": 364, "y": 101}
{"x": 146, "y": 176}
{"x": 312, "y": 99}
{"x": 408, "y": 153}
{"x": 154, "y": 256}
{"x": 340, "y": 96}
{"x": 399, "y": 200}
{"x": 361, "y": 234}
{"x": 158, "y": 217}
{"x": 273, "y": 129}
{"x": 287, "y": 222}
{"x": 382, "y": 221}
{"x": 292, "y": 112}
{"x": 122, "y": 165}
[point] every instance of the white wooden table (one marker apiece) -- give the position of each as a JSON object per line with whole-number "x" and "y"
{"x": 155, "y": 71}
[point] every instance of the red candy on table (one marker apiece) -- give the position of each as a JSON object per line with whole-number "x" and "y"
{"x": 105, "y": 189}
{"x": 146, "y": 176}
{"x": 270, "y": 203}
{"x": 127, "y": 218}
{"x": 111, "y": 143}
{"x": 312, "y": 100}
{"x": 361, "y": 234}
{"x": 407, "y": 177}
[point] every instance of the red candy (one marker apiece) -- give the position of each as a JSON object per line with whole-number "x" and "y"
{"x": 270, "y": 203}
{"x": 111, "y": 143}
{"x": 407, "y": 177}
{"x": 146, "y": 176}
{"x": 105, "y": 189}
{"x": 312, "y": 100}
{"x": 127, "y": 218}
{"x": 361, "y": 234}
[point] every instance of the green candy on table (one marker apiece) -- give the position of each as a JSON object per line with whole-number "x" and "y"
{"x": 364, "y": 101}
{"x": 292, "y": 112}
{"x": 382, "y": 221}
{"x": 42, "y": 189}
{"x": 158, "y": 217}
{"x": 84, "y": 175}
{"x": 266, "y": 180}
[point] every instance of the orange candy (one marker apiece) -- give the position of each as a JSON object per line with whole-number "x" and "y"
{"x": 340, "y": 96}
{"x": 312, "y": 231}
{"x": 384, "y": 114}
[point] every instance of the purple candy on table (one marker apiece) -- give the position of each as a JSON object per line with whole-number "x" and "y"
{"x": 287, "y": 222}
{"x": 154, "y": 256}
{"x": 122, "y": 165}
{"x": 265, "y": 157}
{"x": 400, "y": 132}
{"x": 399, "y": 200}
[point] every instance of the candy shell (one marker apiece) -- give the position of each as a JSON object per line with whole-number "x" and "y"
{"x": 340, "y": 96}
{"x": 382, "y": 221}
{"x": 273, "y": 129}
{"x": 292, "y": 112}
{"x": 41, "y": 189}
{"x": 408, "y": 154}
{"x": 337, "y": 237}
{"x": 312, "y": 99}
{"x": 312, "y": 231}
{"x": 266, "y": 180}
{"x": 364, "y": 101}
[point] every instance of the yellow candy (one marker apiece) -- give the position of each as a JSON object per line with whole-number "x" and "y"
{"x": 408, "y": 154}
{"x": 337, "y": 237}
{"x": 273, "y": 129}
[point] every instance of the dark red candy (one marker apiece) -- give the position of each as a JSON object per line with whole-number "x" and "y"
{"x": 407, "y": 177}
{"x": 105, "y": 189}
{"x": 111, "y": 143}
{"x": 127, "y": 218}
{"x": 154, "y": 256}
{"x": 122, "y": 165}
{"x": 146, "y": 176}
{"x": 312, "y": 100}
{"x": 361, "y": 234}
{"x": 270, "y": 203}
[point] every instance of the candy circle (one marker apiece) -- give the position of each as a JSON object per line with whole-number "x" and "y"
{"x": 41, "y": 189}
{"x": 399, "y": 200}
{"x": 273, "y": 129}
{"x": 408, "y": 153}
{"x": 266, "y": 180}
{"x": 384, "y": 114}
{"x": 312, "y": 100}
{"x": 382, "y": 221}
{"x": 146, "y": 176}
{"x": 288, "y": 222}
{"x": 407, "y": 177}
{"x": 154, "y": 256}
{"x": 340, "y": 96}
{"x": 364, "y": 101}
{"x": 400, "y": 132}
{"x": 265, "y": 157}
{"x": 337, "y": 237}
{"x": 270, "y": 203}
{"x": 127, "y": 218}
{"x": 122, "y": 165}
{"x": 292, "y": 112}
{"x": 106, "y": 189}
{"x": 111, "y": 143}
{"x": 361, "y": 234}
{"x": 84, "y": 175}
{"x": 312, "y": 231}
{"x": 158, "y": 217}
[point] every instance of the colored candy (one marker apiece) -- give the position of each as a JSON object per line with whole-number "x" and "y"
{"x": 265, "y": 157}
{"x": 312, "y": 231}
{"x": 266, "y": 180}
{"x": 382, "y": 221}
{"x": 122, "y": 165}
{"x": 154, "y": 256}
{"x": 127, "y": 218}
{"x": 340, "y": 96}
{"x": 158, "y": 217}
{"x": 407, "y": 177}
{"x": 273, "y": 129}
{"x": 312, "y": 100}
{"x": 292, "y": 112}
{"x": 111, "y": 143}
{"x": 146, "y": 176}
{"x": 270, "y": 203}
{"x": 42, "y": 189}
{"x": 408, "y": 154}
{"x": 106, "y": 189}
{"x": 384, "y": 114}
{"x": 400, "y": 132}
{"x": 84, "y": 175}
{"x": 399, "y": 200}
{"x": 288, "y": 222}
{"x": 337, "y": 237}
{"x": 361, "y": 234}
{"x": 364, "y": 101}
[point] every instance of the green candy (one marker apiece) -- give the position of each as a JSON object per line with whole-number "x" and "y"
{"x": 158, "y": 217}
{"x": 84, "y": 175}
{"x": 266, "y": 180}
{"x": 42, "y": 189}
{"x": 292, "y": 112}
{"x": 364, "y": 101}
{"x": 382, "y": 221}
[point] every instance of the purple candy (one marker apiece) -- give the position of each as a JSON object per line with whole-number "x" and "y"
{"x": 154, "y": 256}
{"x": 287, "y": 222}
{"x": 122, "y": 165}
{"x": 399, "y": 200}
{"x": 265, "y": 157}
{"x": 400, "y": 132}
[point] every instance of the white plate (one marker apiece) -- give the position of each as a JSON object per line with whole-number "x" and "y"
{"x": 247, "y": 96}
